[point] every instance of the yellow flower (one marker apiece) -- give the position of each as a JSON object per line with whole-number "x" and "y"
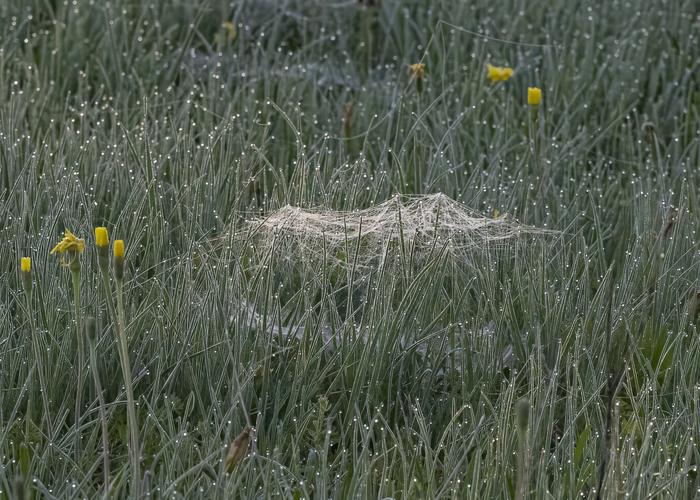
{"x": 101, "y": 236}
{"x": 417, "y": 70}
{"x": 119, "y": 248}
{"x": 534, "y": 96}
{"x": 26, "y": 265}
{"x": 69, "y": 243}
{"x": 498, "y": 73}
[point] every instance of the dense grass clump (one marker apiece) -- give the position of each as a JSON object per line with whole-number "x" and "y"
{"x": 558, "y": 363}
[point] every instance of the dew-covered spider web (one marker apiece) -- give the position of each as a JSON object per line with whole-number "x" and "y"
{"x": 416, "y": 224}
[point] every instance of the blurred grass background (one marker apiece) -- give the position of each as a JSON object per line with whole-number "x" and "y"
{"x": 172, "y": 128}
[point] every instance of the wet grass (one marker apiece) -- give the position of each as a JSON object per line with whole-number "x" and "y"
{"x": 560, "y": 367}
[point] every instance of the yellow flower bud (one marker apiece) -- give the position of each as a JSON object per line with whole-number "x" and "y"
{"x": 534, "y": 96}
{"x": 101, "y": 237}
{"x": 26, "y": 267}
{"x": 119, "y": 248}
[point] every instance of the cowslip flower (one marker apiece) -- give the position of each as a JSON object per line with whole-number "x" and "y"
{"x": 534, "y": 96}
{"x": 26, "y": 264}
{"x": 498, "y": 73}
{"x": 69, "y": 243}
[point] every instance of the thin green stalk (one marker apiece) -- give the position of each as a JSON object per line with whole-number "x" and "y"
{"x": 91, "y": 328}
{"x": 122, "y": 345}
{"x": 131, "y": 406}
{"x": 38, "y": 357}
{"x": 75, "y": 278}
{"x": 522, "y": 415}
{"x": 535, "y": 133}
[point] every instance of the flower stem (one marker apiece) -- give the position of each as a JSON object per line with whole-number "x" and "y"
{"x": 119, "y": 321}
{"x": 536, "y": 139}
{"x": 75, "y": 277}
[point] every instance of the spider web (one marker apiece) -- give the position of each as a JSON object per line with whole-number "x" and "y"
{"x": 419, "y": 224}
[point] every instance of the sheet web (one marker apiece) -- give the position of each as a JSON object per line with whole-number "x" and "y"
{"x": 420, "y": 224}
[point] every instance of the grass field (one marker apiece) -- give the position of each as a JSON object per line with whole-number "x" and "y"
{"x": 537, "y": 337}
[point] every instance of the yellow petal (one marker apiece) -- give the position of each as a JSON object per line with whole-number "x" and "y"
{"x": 69, "y": 243}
